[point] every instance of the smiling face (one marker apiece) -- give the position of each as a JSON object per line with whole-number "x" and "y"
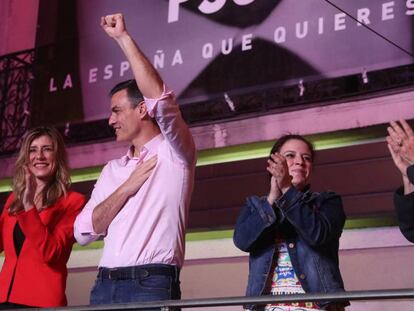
{"x": 125, "y": 119}
{"x": 299, "y": 161}
{"x": 42, "y": 158}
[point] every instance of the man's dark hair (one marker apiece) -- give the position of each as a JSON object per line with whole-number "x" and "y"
{"x": 134, "y": 94}
{"x": 283, "y": 139}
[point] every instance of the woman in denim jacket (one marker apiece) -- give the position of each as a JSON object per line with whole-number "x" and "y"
{"x": 293, "y": 234}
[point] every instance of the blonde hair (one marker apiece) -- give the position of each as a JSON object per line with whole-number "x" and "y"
{"x": 58, "y": 184}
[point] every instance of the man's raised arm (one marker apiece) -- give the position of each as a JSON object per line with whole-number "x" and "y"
{"x": 148, "y": 80}
{"x": 159, "y": 102}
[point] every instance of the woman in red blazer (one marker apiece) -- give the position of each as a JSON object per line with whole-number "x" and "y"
{"x": 36, "y": 224}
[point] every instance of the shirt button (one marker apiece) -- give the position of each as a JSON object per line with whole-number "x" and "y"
{"x": 302, "y": 276}
{"x": 291, "y": 245}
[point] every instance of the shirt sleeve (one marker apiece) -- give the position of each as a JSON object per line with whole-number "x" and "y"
{"x": 83, "y": 227}
{"x": 52, "y": 242}
{"x": 166, "y": 112}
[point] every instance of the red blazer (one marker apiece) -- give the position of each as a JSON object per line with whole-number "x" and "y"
{"x": 40, "y": 270}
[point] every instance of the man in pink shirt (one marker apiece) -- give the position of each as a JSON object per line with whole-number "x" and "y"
{"x": 140, "y": 202}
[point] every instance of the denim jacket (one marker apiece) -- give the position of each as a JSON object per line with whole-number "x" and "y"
{"x": 311, "y": 224}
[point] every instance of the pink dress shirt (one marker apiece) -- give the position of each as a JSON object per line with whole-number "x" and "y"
{"x": 150, "y": 228}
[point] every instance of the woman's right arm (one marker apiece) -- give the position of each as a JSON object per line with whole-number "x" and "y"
{"x": 1, "y": 230}
{"x": 401, "y": 146}
{"x": 2, "y": 215}
{"x": 256, "y": 216}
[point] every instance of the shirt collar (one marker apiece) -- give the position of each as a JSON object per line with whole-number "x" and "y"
{"x": 150, "y": 147}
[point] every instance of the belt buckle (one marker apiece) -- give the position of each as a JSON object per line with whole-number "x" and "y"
{"x": 110, "y": 276}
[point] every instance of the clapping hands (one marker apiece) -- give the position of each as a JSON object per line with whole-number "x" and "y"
{"x": 401, "y": 145}
{"x": 280, "y": 180}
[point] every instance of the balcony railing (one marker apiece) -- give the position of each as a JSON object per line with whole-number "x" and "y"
{"x": 16, "y": 75}
{"x": 168, "y": 305}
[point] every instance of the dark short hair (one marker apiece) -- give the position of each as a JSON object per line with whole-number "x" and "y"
{"x": 283, "y": 139}
{"x": 134, "y": 94}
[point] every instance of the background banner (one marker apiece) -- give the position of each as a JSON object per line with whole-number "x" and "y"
{"x": 204, "y": 49}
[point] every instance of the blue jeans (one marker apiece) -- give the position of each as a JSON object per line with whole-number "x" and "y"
{"x": 11, "y": 305}
{"x": 145, "y": 284}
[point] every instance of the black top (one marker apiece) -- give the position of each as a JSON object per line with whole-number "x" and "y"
{"x": 404, "y": 206}
{"x": 18, "y": 238}
{"x": 410, "y": 173}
